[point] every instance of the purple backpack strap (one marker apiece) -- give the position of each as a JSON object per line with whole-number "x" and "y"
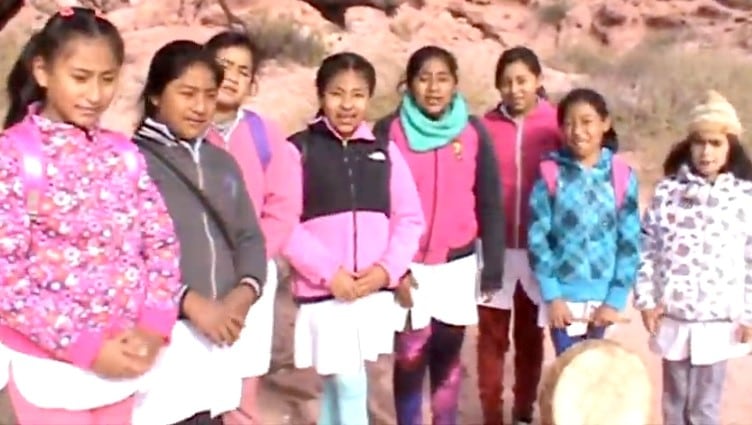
{"x": 620, "y": 173}
{"x": 33, "y": 165}
{"x": 549, "y": 171}
{"x": 259, "y": 136}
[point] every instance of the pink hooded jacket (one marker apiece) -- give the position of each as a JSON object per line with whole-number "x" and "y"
{"x": 520, "y": 146}
{"x": 276, "y": 190}
{"x": 100, "y": 257}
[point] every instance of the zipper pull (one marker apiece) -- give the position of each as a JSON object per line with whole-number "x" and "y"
{"x": 457, "y": 148}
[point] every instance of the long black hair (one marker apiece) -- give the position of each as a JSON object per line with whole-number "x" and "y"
{"x": 597, "y": 102}
{"x": 169, "y": 63}
{"x": 525, "y": 56}
{"x": 60, "y": 29}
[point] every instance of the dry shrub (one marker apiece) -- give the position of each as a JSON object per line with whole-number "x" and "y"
{"x": 283, "y": 40}
{"x": 652, "y": 89}
{"x": 553, "y": 13}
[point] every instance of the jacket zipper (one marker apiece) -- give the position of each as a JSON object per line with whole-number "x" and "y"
{"x": 434, "y": 204}
{"x": 205, "y": 219}
{"x": 520, "y": 124}
{"x": 353, "y": 202}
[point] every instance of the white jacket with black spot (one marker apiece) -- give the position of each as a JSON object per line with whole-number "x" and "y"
{"x": 696, "y": 258}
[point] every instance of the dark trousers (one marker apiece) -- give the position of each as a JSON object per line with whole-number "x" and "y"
{"x": 494, "y": 342}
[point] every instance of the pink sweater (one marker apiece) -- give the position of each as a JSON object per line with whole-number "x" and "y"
{"x": 101, "y": 257}
{"x": 276, "y": 191}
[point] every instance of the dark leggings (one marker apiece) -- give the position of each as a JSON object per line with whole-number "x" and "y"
{"x": 201, "y": 418}
{"x": 436, "y": 349}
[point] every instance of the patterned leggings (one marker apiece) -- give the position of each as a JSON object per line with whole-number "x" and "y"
{"x": 435, "y": 348}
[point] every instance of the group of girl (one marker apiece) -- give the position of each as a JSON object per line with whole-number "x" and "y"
{"x": 138, "y": 276}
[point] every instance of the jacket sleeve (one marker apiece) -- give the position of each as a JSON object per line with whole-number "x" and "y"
{"x": 250, "y": 247}
{"x": 627, "y": 247}
{"x": 281, "y": 205}
{"x": 26, "y": 305}
{"x": 306, "y": 254}
{"x": 647, "y": 293}
{"x": 746, "y": 317}
{"x": 540, "y": 254}
{"x": 161, "y": 253}
{"x": 489, "y": 213}
{"x": 406, "y": 221}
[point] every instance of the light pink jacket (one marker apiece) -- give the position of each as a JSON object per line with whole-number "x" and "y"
{"x": 276, "y": 191}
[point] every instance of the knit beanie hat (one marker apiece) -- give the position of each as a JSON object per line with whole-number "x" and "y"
{"x": 715, "y": 114}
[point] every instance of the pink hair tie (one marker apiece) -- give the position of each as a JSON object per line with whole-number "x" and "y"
{"x": 66, "y": 12}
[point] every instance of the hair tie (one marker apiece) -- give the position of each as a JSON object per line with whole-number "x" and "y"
{"x": 66, "y": 12}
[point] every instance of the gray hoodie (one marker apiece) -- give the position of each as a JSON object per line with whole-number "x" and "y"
{"x": 209, "y": 265}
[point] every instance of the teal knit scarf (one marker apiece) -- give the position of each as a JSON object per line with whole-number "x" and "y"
{"x": 425, "y": 134}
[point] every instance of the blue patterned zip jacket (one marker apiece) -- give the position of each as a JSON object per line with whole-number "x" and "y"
{"x": 580, "y": 247}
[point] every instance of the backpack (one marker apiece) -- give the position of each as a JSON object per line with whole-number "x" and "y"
{"x": 620, "y": 173}
{"x": 33, "y": 167}
{"x": 259, "y": 136}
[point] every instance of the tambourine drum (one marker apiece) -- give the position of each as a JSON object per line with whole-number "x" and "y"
{"x": 596, "y": 382}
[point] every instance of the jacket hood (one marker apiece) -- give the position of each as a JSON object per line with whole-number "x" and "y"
{"x": 564, "y": 158}
{"x": 544, "y": 110}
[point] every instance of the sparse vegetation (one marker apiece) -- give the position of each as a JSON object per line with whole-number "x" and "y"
{"x": 554, "y": 13}
{"x": 283, "y": 40}
{"x": 652, "y": 89}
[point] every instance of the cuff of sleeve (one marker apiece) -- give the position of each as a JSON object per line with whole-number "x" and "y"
{"x": 550, "y": 289}
{"x": 394, "y": 274}
{"x": 616, "y": 297}
{"x": 253, "y": 284}
{"x": 326, "y": 274}
{"x": 746, "y": 320}
{"x": 158, "y": 320}
{"x": 84, "y": 349}
{"x": 491, "y": 282}
{"x": 644, "y": 303}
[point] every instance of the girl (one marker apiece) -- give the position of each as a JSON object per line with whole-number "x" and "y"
{"x": 265, "y": 159}
{"x": 89, "y": 258}
{"x": 584, "y": 226}
{"x": 360, "y": 227}
{"x": 694, "y": 286}
{"x": 452, "y": 159}
{"x": 524, "y": 130}
{"x": 223, "y": 258}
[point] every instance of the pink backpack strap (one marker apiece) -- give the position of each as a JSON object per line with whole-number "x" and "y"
{"x": 620, "y": 173}
{"x": 129, "y": 151}
{"x": 549, "y": 171}
{"x": 33, "y": 165}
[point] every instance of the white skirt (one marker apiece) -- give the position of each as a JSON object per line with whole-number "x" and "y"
{"x": 256, "y": 338}
{"x": 446, "y": 292}
{"x": 516, "y": 269}
{"x": 189, "y": 374}
{"x": 336, "y": 338}
{"x": 701, "y": 343}
{"x": 64, "y": 386}
{"x": 193, "y": 375}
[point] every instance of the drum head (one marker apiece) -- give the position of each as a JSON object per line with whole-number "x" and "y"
{"x": 596, "y": 382}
